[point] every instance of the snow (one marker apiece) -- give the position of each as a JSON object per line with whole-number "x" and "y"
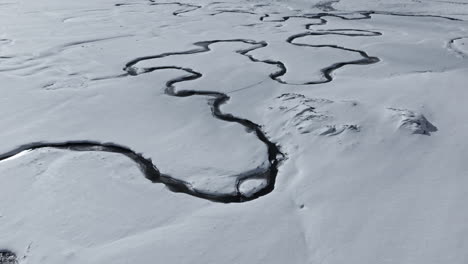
{"x": 460, "y": 46}
{"x": 371, "y": 161}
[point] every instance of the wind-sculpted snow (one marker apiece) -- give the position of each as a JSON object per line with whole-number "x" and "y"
{"x": 38, "y": 59}
{"x": 310, "y": 115}
{"x": 7, "y": 257}
{"x": 327, "y": 5}
{"x": 414, "y": 122}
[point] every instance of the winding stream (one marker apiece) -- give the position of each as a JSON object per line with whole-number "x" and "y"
{"x": 217, "y": 99}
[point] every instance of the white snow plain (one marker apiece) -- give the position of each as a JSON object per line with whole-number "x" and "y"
{"x": 366, "y": 100}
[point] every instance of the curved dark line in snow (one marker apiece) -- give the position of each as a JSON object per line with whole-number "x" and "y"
{"x": 145, "y": 165}
{"x": 204, "y": 47}
{"x": 151, "y": 172}
{"x": 223, "y": 11}
{"x": 186, "y": 7}
{"x": 409, "y": 15}
{"x": 275, "y": 156}
{"x": 367, "y": 14}
{"x": 451, "y": 46}
{"x": 328, "y": 71}
{"x": 342, "y": 15}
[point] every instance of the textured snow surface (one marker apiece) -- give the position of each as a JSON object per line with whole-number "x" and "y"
{"x": 138, "y": 131}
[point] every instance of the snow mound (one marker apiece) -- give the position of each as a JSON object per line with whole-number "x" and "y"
{"x": 334, "y": 130}
{"x": 309, "y": 115}
{"x": 414, "y": 122}
{"x": 250, "y": 187}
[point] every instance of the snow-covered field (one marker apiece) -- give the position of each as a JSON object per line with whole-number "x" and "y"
{"x": 249, "y": 131}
